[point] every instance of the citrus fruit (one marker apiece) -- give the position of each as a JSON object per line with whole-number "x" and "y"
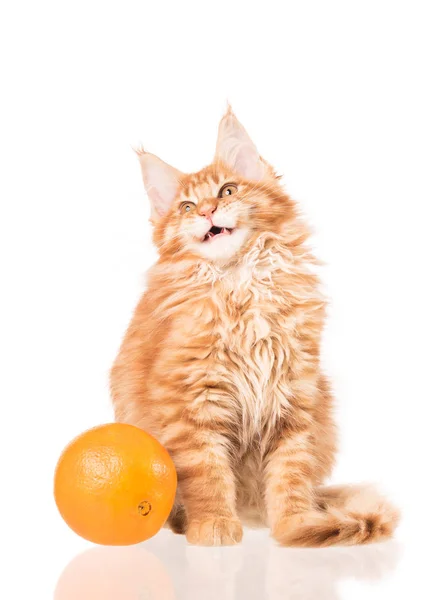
{"x": 115, "y": 485}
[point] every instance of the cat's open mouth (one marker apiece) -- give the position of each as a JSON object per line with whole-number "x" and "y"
{"x": 215, "y": 232}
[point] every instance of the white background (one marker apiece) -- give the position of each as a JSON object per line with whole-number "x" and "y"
{"x": 350, "y": 101}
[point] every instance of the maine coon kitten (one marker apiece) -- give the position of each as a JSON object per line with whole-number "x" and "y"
{"x": 221, "y": 359}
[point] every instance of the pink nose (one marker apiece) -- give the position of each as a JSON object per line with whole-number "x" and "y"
{"x": 207, "y": 211}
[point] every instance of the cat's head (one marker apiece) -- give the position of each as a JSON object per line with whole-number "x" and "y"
{"x": 218, "y": 212}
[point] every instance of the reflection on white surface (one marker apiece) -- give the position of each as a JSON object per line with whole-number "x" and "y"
{"x": 115, "y": 573}
{"x": 166, "y": 568}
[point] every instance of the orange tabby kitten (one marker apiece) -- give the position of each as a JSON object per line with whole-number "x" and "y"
{"x": 221, "y": 360}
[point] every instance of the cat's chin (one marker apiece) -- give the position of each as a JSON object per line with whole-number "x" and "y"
{"x": 222, "y": 247}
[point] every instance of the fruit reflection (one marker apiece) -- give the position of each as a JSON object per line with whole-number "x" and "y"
{"x": 115, "y": 573}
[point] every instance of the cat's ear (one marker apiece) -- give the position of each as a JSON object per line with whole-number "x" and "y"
{"x": 161, "y": 183}
{"x": 236, "y": 149}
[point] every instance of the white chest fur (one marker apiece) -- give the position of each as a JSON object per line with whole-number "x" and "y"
{"x": 249, "y": 318}
{"x": 252, "y": 346}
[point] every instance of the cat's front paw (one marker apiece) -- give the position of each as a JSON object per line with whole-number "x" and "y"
{"x": 215, "y": 531}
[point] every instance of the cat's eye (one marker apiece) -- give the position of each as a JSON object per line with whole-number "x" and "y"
{"x": 187, "y": 207}
{"x": 227, "y": 190}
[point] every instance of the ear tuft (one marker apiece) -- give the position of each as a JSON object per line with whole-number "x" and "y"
{"x": 235, "y": 148}
{"x": 161, "y": 182}
{"x": 139, "y": 150}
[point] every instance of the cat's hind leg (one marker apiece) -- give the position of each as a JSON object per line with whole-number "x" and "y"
{"x": 177, "y": 521}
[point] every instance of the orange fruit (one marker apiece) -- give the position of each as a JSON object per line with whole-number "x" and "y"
{"x": 115, "y": 485}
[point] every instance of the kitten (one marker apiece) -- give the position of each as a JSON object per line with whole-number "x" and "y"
{"x": 221, "y": 360}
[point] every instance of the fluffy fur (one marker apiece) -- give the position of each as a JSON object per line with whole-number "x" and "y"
{"x": 221, "y": 359}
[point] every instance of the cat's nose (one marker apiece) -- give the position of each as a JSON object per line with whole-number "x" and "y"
{"x": 207, "y": 208}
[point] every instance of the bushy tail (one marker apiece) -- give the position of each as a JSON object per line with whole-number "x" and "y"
{"x": 344, "y": 515}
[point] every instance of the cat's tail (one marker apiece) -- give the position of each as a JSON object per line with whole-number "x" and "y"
{"x": 344, "y": 515}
